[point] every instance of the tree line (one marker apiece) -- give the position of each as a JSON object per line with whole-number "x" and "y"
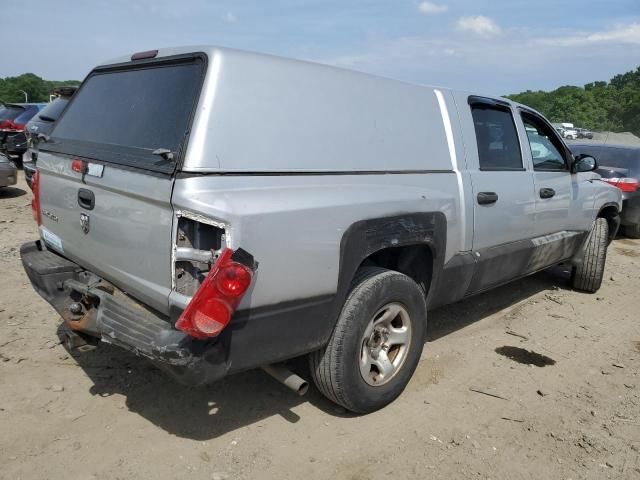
{"x": 37, "y": 89}
{"x": 601, "y": 106}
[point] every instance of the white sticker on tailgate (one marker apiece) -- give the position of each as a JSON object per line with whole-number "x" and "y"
{"x": 95, "y": 170}
{"x": 52, "y": 240}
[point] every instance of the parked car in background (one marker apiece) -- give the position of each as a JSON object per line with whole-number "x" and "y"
{"x": 13, "y": 122}
{"x": 8, "y": 113}
{"x": 566, "y": 130}
{"x": 41, "y": 125}
{"x": 619, "y": 166}
{"x": 570, "y": 133}
{"x": 15, "y": 146}
{"x": 584, "y": 133}
{"x": 8, "y": 172}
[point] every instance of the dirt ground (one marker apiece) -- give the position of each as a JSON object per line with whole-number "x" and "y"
{"x": 531, "y": 380}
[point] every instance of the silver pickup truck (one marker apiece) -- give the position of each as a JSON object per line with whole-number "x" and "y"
{"x": 215, "y": 210}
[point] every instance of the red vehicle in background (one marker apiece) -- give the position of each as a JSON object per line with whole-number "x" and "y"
{"x": 13, "y": 120}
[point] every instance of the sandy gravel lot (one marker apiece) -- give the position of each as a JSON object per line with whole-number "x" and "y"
{"x": 571, "y": 410}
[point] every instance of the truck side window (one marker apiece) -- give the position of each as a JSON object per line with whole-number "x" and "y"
{"x": 545, "y": 146}
{"x": 498, "y": 146}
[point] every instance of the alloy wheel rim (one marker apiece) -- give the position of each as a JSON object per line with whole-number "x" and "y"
{"x": 385, "y": 344}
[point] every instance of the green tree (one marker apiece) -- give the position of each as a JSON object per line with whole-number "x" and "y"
{"x": 613, "y": 105}
{"x": 37, "y": 89}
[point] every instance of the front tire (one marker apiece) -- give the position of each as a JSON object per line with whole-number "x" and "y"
{"x": 376, "y": 344}
{"x": 587, "y": 275}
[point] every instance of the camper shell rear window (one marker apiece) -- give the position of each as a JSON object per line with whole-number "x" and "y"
{"x": 122, "y": 114}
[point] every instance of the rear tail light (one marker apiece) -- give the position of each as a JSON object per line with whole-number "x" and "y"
{"x": 11, "y": 126}
{"x": 213, "y": 304}
{"x": 624, "y": 184}
{"x": 35, "y": 203}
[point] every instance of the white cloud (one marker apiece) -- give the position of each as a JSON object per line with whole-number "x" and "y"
{"x": 429, "y": 8}
{"x": 480, "y": 25}
{"x": 627, "y": 34}
{"x": 515, "y": 60}
{"x": 397, "y": 53}
{"x": 229, "y": 17}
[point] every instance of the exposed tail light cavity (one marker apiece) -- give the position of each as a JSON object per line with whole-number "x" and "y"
{"x": 200, "y": 238}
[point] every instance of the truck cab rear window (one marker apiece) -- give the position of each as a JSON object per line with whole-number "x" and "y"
{"x": 498, "y": 146}
{"x": 123, "y": 116}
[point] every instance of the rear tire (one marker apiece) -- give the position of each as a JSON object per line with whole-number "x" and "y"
{"x": 587, "y": 275}
{"x": 632, "y": 231}
{"x": 364, "y": 367}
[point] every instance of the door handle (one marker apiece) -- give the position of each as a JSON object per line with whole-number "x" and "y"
{"x": 487, "y": 198}
{"x": 86, "y": 199}
{"x": 547, "y": 192}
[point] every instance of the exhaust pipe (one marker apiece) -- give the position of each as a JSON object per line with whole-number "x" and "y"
{"x": 287, "y": 378}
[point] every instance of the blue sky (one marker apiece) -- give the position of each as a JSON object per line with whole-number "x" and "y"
{"x": 495, "y": 46}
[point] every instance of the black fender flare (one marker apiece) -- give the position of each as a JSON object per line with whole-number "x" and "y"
{"x": 616, "y": 220}
{"x": 607, "y": 205}
{"x": 366, "y": 237}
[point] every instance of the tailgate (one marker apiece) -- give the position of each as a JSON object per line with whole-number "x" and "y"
{"x": 125, "y": 237}
{"x": 107, "y": 172}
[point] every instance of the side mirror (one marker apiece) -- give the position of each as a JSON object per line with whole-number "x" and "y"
{"x": 583, "y": 163}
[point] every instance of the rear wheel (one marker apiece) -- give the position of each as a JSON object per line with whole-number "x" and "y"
{"x": 376, "y": 344}
{"x": 587, "y": 275}
{"x": 632, "y": 231}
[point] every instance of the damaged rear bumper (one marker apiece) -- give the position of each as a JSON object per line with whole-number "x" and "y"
{"x": 91, "y": 306}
